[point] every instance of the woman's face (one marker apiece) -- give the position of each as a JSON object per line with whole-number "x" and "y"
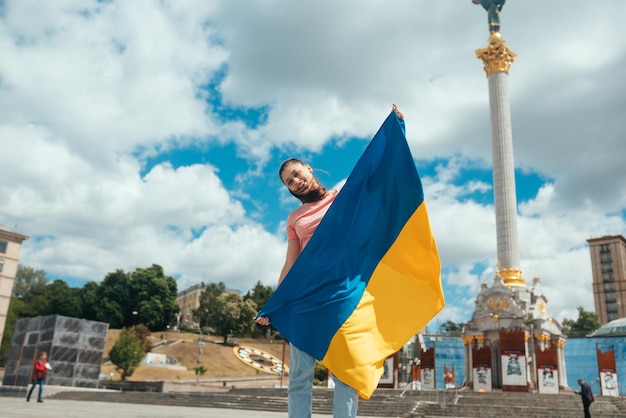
{"x": 298, "y": 178}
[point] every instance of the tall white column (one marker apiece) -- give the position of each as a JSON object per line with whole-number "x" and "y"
{"x": 503, "y": 172}
{"x": 497, "y": 58}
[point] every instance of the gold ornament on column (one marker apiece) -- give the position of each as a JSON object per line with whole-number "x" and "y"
{"x": 468, "y": 339}
{"x": 511, "y": 277}
{"x": 497, "y": 57}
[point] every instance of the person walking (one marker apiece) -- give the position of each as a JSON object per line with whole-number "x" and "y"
{"x": 586, "y": 395}
{"x": 299, "y": 179}
{"x": 39, "y": 375}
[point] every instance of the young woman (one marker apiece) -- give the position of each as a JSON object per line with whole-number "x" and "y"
{"x": 298, "y": 177}
{"x": 41, "y": 367}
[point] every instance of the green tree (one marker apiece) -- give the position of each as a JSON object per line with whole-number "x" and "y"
{"x": 154, "y": 297}
{"x": 88, "y": 295}
{"x": 450, "y": 327}
{"x": 229, "y": 315}
{"x": 586, "y": 323}
{"x": 207, "y": 298}
{"x": 260, "y": 294}
{"x": 127, "y": 352}
{"x": 29, "y": 282}
{"x": 321, "y": 374}
{"x": 17, "y": 307}
{"x": 28, "y": 299}
{"x": 143, "y": 332}
{"x": 200, "y": 370}
{"x": 113, "y": 297}
{"x": 30, "y": 286}
{"x": 63, "y": 300}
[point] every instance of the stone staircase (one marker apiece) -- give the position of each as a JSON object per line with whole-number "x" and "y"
{"x": 384, "y": 403}
{"x": 513, "y": 405}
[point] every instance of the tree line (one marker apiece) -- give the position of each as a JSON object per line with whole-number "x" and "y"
{"x": 122, "y": 299}
{"x": 228, "y": 313}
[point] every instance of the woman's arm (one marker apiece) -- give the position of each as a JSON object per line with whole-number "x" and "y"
{"x": 293, "y": 251}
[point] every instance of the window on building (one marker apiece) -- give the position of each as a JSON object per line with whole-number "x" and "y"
{"x": 606, "y": 268}
{"x": 1, "y": 265}
{"x": 605, "y": 257}
{"x": 3, "y": 246}
{"x": 611, "y": 307}
{"x": 609, "y": 287}
{"x": 611, "y": 317}
{"x": 604, "y": 248}
{"x": 610, "y": 297}
{"x": 608, "y": 277}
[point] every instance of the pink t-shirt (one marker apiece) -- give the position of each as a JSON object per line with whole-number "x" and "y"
{"x": 302, "y": 222}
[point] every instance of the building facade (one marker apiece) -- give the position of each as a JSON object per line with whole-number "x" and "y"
{"x": 608, "y": 268}
{"x": 581, "y": 355}
{"x": 188, "y": 301}
{"x": 10, "y": 246}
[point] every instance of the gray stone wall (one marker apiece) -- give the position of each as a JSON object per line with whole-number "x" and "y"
{"x": 75, "y": 348}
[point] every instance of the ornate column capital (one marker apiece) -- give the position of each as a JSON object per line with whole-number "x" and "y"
{"x": 497, "y": 57}
{"x": 468, "y": 339}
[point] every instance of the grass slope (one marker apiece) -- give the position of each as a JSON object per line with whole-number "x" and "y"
{"x": 219, "y": 360}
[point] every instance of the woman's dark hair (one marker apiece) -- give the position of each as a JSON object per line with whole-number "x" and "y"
{"x": 315, "y": 194}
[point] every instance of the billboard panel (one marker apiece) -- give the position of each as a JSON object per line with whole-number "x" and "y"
{"x": 482, "y": 379}
{"x": 513, "y": 368}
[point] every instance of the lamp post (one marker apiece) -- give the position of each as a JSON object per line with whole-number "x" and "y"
{"x": 200, "y": 344}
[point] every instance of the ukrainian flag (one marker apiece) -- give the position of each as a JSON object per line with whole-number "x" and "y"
{"x": 369, "y": 278}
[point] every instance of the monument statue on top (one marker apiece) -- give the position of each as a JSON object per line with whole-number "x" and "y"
{"x": 511, "y": 339}
{"x": 493, "y": 8}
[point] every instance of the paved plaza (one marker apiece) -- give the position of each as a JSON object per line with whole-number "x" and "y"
{"x": 52, "y": 408}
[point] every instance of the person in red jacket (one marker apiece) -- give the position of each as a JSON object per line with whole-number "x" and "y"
{"x": 39, "y": 375}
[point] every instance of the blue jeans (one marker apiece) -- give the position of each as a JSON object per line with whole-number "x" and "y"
{"x": 35, "y": 383}
{"x": 300, "y": 391}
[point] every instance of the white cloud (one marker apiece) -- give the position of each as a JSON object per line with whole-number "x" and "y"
{"x": 88, "y": 90}
{"x": 127, "y": 75}
{"x": 98, "y": 224}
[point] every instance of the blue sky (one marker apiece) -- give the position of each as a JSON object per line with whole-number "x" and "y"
{"x": 145, "y": 132}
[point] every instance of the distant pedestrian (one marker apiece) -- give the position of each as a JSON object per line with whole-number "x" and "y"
{"x": 39, "y": 375}
{"x": 586, "y": 396}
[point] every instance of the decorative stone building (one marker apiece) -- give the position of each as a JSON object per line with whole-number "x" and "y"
{"x": 511, "y": 325}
